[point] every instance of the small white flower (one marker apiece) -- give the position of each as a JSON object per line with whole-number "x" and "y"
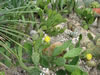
{"x": 47, "y": 71}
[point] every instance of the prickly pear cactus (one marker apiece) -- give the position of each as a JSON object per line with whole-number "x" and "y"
{"x": 96, "y": 51}
{"x": 90, "y": 46}
{"x": 94, "y": 48}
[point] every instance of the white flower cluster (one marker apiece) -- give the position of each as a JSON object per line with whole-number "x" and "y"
{"x": 46, "y": 71}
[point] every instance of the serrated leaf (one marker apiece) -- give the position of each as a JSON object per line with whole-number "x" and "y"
{"x": 28, "y": 48}
{"x": 60, "y": 61}
{"x": 71, "y": 68}
{"x": 44, "y": 61}
{"x": 73, "y": 53}
{"x": 79, "y": 72}
{"x": 60, "y": 49}
{"x": 35, "y": 58}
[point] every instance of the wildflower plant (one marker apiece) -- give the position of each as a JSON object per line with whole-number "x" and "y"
{"x": 47, "y": 39}
{"x": 89, "y": 56}
{"x": 24, "y": 16}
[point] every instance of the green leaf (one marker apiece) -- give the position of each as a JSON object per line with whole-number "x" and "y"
{"x": 62, "y": 4}
{"x": 28, "y": 48}
{"x": 60, "y": 61}
{"x": 53, "y": 19}
{"x": 7, "y": 43}
{"x": 98, "y": 66}
{"x": 2, "y": 49}
{"x": 61, "y": 72}
{"x": 2, "y": 73}
{"x": 86, "y": 27}
{"x": 44, "y": 27}
{"x": 44, "y": 61}
{"x": 80, "y": 37}
{"x": 71, "y": 46}
{"x": 20, "y": 59}
{"x": 90, "y": 36}
{"x": 74, "y": 61}
{"x": 76, "y": 72}
{"x": 73, "y": 53}
{"x": 8, "y": 59}
{"x": 79, "y": 72}
{"x": 7, "y": 63}
{"x": 35, "y": 71}
{"x": 59, "y": 50}
{"x": 35, "y": 58}
{"x": 72, "y": 68}
{"x": 78, "y": 43}
{"x": 85, "y": 73}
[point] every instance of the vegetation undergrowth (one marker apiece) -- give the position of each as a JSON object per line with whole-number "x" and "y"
{"x": 20, "y": 47}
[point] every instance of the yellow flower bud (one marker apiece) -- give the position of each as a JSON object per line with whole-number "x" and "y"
{"x": 89, "y": 56}
{"x": 47, "y": 39}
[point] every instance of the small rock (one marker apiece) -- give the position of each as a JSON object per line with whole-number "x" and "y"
{"x": 50, "y": 49}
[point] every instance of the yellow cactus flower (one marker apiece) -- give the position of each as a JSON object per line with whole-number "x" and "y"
{"x": 89, "y": 56}
{"x": 47, "y": 39}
